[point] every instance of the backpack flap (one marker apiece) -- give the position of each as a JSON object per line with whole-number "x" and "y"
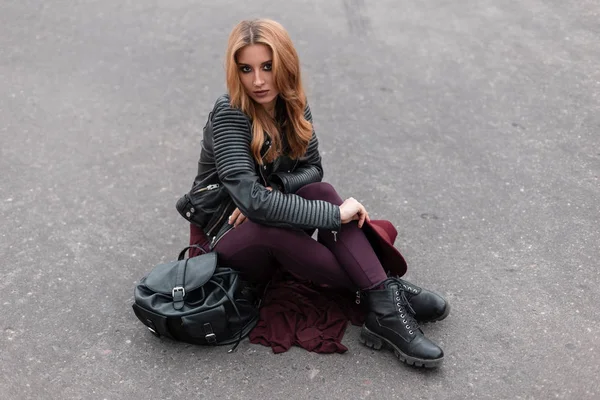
{"x": 163, "y": 278}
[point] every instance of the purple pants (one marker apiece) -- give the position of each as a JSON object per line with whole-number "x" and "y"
{"x": 258, "y": 250}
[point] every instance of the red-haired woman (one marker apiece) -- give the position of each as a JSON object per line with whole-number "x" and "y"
{"x": 258, "y": 196}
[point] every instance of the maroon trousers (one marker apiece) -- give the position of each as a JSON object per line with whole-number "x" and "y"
{"x": 257, "y": 250}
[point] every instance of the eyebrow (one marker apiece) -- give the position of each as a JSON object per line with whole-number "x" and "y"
{"x": 248, "y": 65}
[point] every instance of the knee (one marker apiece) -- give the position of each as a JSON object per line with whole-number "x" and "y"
{"x": 319, "y": 191}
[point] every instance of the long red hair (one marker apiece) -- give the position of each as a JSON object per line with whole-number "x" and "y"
{"x": 286, "y": 70}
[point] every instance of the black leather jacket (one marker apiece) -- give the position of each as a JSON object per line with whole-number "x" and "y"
{"x": 229, "y": 177}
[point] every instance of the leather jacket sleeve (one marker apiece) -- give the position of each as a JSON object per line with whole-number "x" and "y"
{"x": 236, "y": 170}
{"x": 309, "y": 167}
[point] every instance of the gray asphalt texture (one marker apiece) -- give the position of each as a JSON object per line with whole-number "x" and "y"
{"x": 474, "y": 126}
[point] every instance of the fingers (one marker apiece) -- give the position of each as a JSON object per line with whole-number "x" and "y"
{"x": 239, "y": 220}
{"x": 236, "y": 218}
{"x": 269, "y": 188}
{"x": 234, "y": 215}
{"x": 362, "y": 215}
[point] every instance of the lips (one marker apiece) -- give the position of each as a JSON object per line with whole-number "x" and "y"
{"x": 261, "y": 93}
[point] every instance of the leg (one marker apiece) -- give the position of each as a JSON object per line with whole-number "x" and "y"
{"x": 390, "y": 320}
{"x": 257, "y": 250}
{"x": 351, "y": 248}
{"x": 198, "y": 237}
{"x": 355, "y": 254}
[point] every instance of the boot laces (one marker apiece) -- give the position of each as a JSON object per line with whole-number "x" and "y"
{"x": 405, "y": 309}
{"x": 410, "y": 288}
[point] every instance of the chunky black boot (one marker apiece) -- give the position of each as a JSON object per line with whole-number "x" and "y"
{"x": 428, "y": 306}
{"x": 390, "y": 323}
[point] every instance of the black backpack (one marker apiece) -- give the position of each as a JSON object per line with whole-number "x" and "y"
{"x": 195, "y": 301}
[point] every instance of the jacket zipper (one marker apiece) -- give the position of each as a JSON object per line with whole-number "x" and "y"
{"x": 216, "y": 224}
{"x": 261, "y": 166}
{"x": 295, "y": 165}
{"x": 209, "y": 187}
{"x": 214, "y": 242}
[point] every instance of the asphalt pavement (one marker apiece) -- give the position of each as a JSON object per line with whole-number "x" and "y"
{"x": 474, "y": 126}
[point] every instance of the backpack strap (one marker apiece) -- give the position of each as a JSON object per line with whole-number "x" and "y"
{"x": 182, "y": 253}
{"x": 178, "y": 291}
{"x": 234, "y": 307}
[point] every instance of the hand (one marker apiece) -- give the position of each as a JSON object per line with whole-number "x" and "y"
{"x": 237, "y": 218}
{"x": 352, "y": 210}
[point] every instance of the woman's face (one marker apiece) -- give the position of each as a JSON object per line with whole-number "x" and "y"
{"x": 255, "y": 64}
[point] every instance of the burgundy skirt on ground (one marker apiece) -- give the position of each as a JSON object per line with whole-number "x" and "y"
{"x": 295, "y": 313}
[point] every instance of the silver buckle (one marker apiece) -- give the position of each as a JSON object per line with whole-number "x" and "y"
{"x": 211, "y": 338}
{"x": 178, "y": 289}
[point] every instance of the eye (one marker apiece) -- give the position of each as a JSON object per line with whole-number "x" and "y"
{"x": 245, "y": 69}
{"x": 268, "y": 67}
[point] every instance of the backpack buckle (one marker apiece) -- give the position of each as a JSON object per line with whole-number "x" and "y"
{"x": 210, "y": 335}
{"x": 178, "y": 294}
{"x": 178, "y": 291}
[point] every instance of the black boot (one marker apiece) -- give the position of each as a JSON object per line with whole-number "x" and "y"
{"x": 390, "y": 322}
{"x": 428, "y": 306}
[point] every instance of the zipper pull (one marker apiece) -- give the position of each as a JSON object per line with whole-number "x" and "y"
{"x": 209, "y": 187}
{"x": 357, "y": 301}
{"x": 334, "y": 236}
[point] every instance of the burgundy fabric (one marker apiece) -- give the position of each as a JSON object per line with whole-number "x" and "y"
{"x": 382, "y": 235}
{"x": 302, "y": 313}
{"x": 295, "y": 313}
{"x": 197, "y": 236}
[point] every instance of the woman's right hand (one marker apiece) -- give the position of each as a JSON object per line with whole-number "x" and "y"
{"x": 352, "y": 210}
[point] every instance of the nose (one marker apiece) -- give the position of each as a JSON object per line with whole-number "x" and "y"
{"x": 258, "y": 79}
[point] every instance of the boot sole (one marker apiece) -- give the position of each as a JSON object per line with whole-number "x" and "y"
{"x": 376, "y": 342}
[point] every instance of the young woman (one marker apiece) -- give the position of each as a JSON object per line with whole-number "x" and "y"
{"x": 258, "y": 197}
